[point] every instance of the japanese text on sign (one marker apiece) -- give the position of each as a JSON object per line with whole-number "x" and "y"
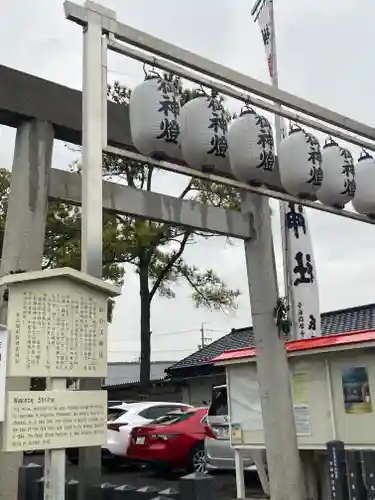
{"x": 57, "y": 331}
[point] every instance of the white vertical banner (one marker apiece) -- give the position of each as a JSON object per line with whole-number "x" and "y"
{"x": 303, "y": 284}
{"x": 299, "y": 264}
{"x": 266, "y": 29}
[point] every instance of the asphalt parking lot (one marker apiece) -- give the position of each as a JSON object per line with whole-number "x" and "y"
{"x": 226, "y": 482}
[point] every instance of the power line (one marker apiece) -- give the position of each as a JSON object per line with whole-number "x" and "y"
{"x": 153, "y": 335}
{"x": 204, "y": 340}
{"x": 153, "y": 350}
{"x": 177, "y": 332}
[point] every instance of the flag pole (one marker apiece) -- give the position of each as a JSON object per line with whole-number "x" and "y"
{"x": 285, "y": 475}
{"x": 256, "y": 7}
{"x": 280, "y": 133}
{"x": 303, "y": 302}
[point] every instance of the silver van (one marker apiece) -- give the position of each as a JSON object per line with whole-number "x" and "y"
{"x": 219, "y": 454}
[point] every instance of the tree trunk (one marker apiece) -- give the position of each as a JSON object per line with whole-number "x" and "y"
{"x": 145, "y": 326}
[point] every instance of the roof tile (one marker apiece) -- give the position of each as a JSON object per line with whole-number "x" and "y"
{"x": 334, "y": 322}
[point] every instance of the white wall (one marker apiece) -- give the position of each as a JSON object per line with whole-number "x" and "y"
{"x": 198, "y": 390}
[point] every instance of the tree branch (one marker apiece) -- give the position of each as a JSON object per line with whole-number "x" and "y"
{"x": 143, "y": 178}
{"x": 170, "y": 264}
{"x": 125, "y": 260}
{"x": 199, "y": 292}
{"x": 121, "y": 219}
{"x": 47, "y": 263}
{"x": 186, "y": 190}
{"x": 149, "y": 178}
{"x": 129, "y": 176}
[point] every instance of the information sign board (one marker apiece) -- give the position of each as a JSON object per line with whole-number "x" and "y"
{"x": 58, "y": 329}
{"x": 38, "y": 420}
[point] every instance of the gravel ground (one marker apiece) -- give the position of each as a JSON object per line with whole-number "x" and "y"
{"x": 226, "y": 483}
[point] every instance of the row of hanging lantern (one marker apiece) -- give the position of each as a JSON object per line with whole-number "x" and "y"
{"x": 200, "y": 133}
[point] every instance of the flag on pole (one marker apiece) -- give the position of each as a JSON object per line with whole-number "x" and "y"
{"x": 299, "y": 264}
{"x": 265, "y": 24}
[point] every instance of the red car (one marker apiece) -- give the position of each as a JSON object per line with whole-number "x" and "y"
{"x": 175, "y": 441}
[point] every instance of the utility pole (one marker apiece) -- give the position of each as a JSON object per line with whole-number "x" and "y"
{"x": 204, "y": 339}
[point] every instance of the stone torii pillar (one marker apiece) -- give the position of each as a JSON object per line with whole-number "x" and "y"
{"x": 23, "y": 242}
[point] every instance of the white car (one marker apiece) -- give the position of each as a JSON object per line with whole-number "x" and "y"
{"x": 124, "y": 417}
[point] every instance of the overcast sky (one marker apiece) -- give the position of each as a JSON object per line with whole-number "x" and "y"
{"x": 324, "y": 54}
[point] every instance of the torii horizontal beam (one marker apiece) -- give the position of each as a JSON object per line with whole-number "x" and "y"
{"x": 27, "y": 97}
{"x": 120, "y": 199}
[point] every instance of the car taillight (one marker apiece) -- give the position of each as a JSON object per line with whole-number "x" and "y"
{"x": 115, "y": 427}
{"x": 164, "y": 437}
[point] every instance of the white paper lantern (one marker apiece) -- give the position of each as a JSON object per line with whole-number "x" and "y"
{"x": 300, "y": 163}
{"x": 154, "y": 110}
{"x": 364, "y": 198}
{"x": 338, "y": 186}
{"x": 203, "y": 138}
{"x": 251, "y": 148}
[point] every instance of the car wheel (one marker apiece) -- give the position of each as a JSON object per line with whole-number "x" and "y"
{"x": 197, "y": 459}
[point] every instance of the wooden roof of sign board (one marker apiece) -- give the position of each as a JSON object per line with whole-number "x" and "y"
{"x": 313, "y": 345}
{"x": 62, "y": 272}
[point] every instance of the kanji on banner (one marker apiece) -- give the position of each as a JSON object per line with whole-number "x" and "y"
{"x": 303, "y": 287}
{"x": 303, "y": 293}
{"x": 265, "y": 25}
